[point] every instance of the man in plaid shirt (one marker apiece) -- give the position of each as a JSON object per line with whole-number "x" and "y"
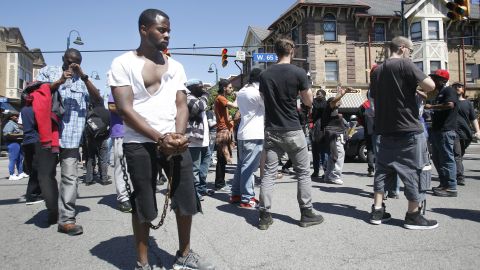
{"x": 75, "y": 90}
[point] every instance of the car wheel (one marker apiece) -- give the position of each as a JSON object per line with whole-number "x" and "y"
{"x": 362, "y": 152}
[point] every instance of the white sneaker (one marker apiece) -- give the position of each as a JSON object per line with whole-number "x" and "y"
{"x": 23, "y": 175}
{"x": 337, "y": 181}
{"x": 14, "y": 178}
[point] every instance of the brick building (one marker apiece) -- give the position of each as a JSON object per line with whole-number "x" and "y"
{"x": 339, "y": 40}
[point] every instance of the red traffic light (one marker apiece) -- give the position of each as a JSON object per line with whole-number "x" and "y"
{"x": 224, "y": 57}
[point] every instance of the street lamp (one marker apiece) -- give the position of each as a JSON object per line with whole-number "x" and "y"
{"x": 210, "y": 70}
{"x": 77, "y": 41}
{"x": 404, "y": 22}
{"x": 94, "y": 75}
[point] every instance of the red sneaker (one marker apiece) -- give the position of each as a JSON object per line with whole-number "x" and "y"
{"x": 253, "y": 203}
{"x": 235, "y": 199}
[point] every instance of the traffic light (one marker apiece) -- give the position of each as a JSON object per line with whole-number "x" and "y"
{"x": 224, "y": 57}
{"x": 458, "y": 10}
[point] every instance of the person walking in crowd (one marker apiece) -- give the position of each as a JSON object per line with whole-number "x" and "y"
{"x": 116, "y": 134}
{"x": 140, "y": 87}
{"x": 280, "y": 85}
{"x": 41, "y": 144}
{"x": 250, "y": 141}
{"x": 366, "y": 120}
{"x": 224, "y": 132}
{"x": 334, "y": 138}
{"x": 403, "y": 148}
{"x": 465, "y": 119}
{"x": 76, "y": 91}
{"x": 97, "y": 148}
{"x": 14, "y": 135}
{"x": 197, "y": 133}
{"x": 318, "y": 150}
{"x": 33, "y": 194}
{"x": 444, "y": 124}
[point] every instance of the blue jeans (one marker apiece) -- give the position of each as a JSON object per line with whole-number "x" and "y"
{"x": 250, "y": 152}
{"x": 444, "y": 158}
{"x": 15, "y": 157}
{"x": 201, "y": 162}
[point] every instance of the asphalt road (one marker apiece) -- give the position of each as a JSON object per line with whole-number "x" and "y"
{"x": 228, "y": 235}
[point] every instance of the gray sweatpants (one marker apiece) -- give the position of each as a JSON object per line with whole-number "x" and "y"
{"x": 68, "y": 190}
{"x": 295, "y": 145}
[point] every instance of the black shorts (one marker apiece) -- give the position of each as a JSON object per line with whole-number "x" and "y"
{"x": 144, "y": 162}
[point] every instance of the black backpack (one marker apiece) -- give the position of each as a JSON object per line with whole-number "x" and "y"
{"x": 97, "y": 124}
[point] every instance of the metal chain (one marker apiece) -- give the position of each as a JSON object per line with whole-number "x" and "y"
{"x": 167, "y": 195}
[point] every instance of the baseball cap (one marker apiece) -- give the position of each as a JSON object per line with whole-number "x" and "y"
{"x": 442, "y": 73}
{"x": 193, "y": 82}
{"x": 457, "y": 84}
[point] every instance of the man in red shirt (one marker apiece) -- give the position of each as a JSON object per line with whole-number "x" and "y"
{"x": 224, "y": 132}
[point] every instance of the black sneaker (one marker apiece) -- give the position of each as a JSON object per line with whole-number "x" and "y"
{"x": 191, "y": 261}
{"x": 34, "y": 200}
{"x": 105, "y": 182}
{"x": 378, "y": 216}
{"x": 308, "y": 218}
{"x": 461, "y": 182}
{"x": 125, "y": 207}
{"x": 416, "y": 221}
{"x": 445, "y": 192}
{"x": 314, "y": 175}
{"x": 265, "y": 220}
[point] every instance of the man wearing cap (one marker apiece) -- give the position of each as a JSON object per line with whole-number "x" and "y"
{"x": 198, "y": 134}
{"x": 444, "y": 123}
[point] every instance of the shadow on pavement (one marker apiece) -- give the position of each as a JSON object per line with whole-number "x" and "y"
{"x": 40, "y": 218}
{"x": 120, "y": 252}
{"x": 472, "y": 215}
{"x": 109, "y": 200}
{"x": 347, "y": 190}
{"x": 251, "y": 215}
{"x": 11, "y": 201}
{"x": 350, "y": 211}
{"x": 357, "y": 174}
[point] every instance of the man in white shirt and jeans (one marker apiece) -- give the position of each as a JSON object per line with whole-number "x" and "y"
{"x": 250, "y": 141}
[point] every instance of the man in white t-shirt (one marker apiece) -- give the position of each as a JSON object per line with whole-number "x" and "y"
{"x": 198, "y": 135}
{"x": 150, "y": 96}
{"x": 250, "y": 141}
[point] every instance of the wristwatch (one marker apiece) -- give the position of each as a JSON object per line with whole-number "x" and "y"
{"x": 84, "y": 77}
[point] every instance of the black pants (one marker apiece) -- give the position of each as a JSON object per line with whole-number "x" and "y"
{"x": 459, "y": 151}
{"x": 220, "y": 169}
{"x": 43, "y": 172}
{"x": 33, "y": 187}
{"x": 370, "y": 154}
{"x": 97, "y": 149}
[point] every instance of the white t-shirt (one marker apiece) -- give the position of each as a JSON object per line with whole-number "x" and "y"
{"x": 252, "y": 110}
{"x": 159, "y": 109}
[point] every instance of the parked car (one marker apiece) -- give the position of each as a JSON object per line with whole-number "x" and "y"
{"x": 355, "y": 146}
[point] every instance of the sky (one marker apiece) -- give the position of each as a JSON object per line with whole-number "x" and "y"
{"x": 113, "y": 25}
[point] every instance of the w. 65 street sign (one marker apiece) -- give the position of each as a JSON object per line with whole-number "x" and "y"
{"x": 265, "y": 57}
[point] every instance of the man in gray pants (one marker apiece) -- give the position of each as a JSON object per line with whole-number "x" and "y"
{"x": 75, "y": 90}
{"x": 280, "y": 85}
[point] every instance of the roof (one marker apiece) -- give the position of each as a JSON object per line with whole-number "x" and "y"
{"x": 261, "y": 33}
{"x": 390, "y": 8}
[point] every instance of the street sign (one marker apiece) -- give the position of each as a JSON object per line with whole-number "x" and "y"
{"x": 240, "y": 56}
{"x": 3, "y": 99}
{"x": 265, "y": 57}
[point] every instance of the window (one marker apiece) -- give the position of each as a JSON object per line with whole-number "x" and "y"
{"x": 295, "y": 34}
{"x": 470, "y": 72}
{"x": 379, "y": 31}
{"x": 331, "y": 71}
{"x": 416, "y": 31}
{"x": 329, "y": 28}
{"x": 419, "y": 65}
{"x": 433, "y": 30}
{"x": 434, "y": 65}
{"x": 261, "y": 50}
{"x": 468, "y": 32}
